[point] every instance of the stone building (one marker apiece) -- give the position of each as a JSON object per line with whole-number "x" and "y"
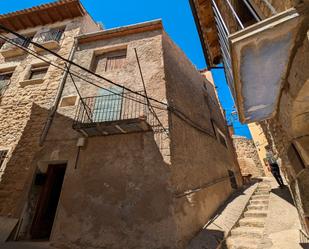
{"x": 260, "y": 142}
{"x": 29, "y": 86}
{"x": 264, "y": 47}
{"x": 128, "y": 150}
{"x": 248, "y": 158}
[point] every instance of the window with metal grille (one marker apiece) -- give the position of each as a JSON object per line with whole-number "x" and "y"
{"x": 5, "y": 79}
{"x": 3, "y": 156}
{"x": 38, "y": 72}
{"x": 51, "y": 35}
{"x": 109, "y": 61}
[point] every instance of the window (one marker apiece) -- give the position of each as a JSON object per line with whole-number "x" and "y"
{"x": 109, "y": 61}
{"x": 5, "y": 79}
{"x": 37, "y": 72}
{"x": 50, "y": 35}
{"x": 3, "y": 156}
{"x": 116, "y": 60}
{"x": 68, "y": 101}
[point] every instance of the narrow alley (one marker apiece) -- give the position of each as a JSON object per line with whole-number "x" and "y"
{"x": 261, "y": 216}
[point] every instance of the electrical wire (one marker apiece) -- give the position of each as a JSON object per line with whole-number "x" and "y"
{"x": 175, "y": 111}
{"x": 75, "y": 64}
{"x": 76, "y": 74}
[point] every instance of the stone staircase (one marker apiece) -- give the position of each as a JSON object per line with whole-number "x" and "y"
{"x": 248, "y": 232}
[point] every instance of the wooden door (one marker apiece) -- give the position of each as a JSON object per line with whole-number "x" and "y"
{"x": 48, "y": 202}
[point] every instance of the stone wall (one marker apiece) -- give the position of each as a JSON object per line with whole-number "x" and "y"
{"x": 23, "y": 113}
{"x": 248, "y": 158}
{"x": 288, "y": 131}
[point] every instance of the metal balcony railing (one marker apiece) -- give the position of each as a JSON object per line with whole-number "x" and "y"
{"x": 18, "y": 41}
{"x": 228, "y": 21}
{"x": 114, "y": 109}
{"x": 51, "y": 35}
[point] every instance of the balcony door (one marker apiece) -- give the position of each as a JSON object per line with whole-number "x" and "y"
{"x": 108, "y": 105}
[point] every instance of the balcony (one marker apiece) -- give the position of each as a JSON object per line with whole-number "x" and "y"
{"x": 49, "y": 39}
{"x": 255, "y": 52}
{"x": 113, "y": 114}
{"x": 9, "y": 50}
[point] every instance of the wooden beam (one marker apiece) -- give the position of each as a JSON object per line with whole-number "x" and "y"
{"x": 68, "y": 11}
{"x": 49, "y": 16}
{"x": 28, "y": 20}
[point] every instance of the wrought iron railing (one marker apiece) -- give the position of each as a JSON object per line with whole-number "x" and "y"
{"x": 228, "y": 21}
{"x": 19, "y": 41}
{"x": 51, "y": 35}
{"x": 114, "y": 107}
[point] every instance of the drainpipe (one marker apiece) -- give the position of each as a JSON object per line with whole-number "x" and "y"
{"x": 53, "y": 111}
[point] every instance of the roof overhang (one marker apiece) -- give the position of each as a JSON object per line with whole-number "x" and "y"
{"x": 206, "y": 27}
{"x": 121, "y": 31}
{"x": 261, "y": 56}
{"x": 42, "y": 15}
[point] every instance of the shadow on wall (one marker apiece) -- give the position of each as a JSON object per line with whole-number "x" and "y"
{"x": 210, "y": 238}
{"x": 15, "y": 180}
{"x": 284, "y": 194}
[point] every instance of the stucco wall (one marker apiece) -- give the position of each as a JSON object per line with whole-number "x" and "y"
{"x": 198, "y": 159}
{"x": 118, "y": 194}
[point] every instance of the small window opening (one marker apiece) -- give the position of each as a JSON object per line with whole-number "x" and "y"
{"x": 38, "y": 72}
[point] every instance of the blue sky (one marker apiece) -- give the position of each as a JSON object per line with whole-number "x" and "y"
{"x": 178, "y": 23}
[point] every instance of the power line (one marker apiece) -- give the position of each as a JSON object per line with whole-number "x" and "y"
{"x": 145, "y": 91}
{"x": 76, "y": 74}
{"x": 175, "y": 111}
{"x": 75, "y": 64}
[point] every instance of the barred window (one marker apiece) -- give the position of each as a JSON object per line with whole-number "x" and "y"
{"x": 3, "y": 156}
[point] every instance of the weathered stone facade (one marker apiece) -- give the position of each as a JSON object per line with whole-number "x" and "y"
{"x": 154, "y": 188}
{"x": 24, "y": 111}
{"x": 286, "y": 123}
{"x": 260, "y": 142}
{"x": 249, "y": 161}
{"x": 288, "y": 131}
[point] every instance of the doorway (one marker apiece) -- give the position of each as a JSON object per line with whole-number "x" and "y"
{"x": 48, "y": 201}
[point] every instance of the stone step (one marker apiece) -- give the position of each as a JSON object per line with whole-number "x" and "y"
{"x": 260, "y": 192}
{"x": 255, "y": 213}
{"x": 242, "y": 242}
{"x": 258, "y": 197}
{"x": 259, "y": 202}
{"x": 252, "y": 222}
{"x": 263, "y": 186}
{"x": 263, "y": 189}
{"x": 252, "y": 232}
{"x": 257, "y": 207}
